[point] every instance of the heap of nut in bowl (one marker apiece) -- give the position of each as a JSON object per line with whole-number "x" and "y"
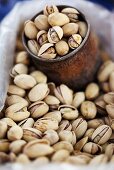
{"x": 53, "y": 29}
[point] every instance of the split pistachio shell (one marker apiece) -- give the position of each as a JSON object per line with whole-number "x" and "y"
{"x": 102, "y": 134}
{"x": 22, "y": 57}
{"x": 63, "y": 145}
{"x": 50, "y": 9}
{"x": 19, "y": 69}
{"x": 39, "y": 76}
{"x": 74, "y": 41}
{"x": 30, "y": 30}
{"x": 64, "y": 125}
{"x": 51, "y": 135}
{"x": 15, "y": 90}
{"x": 79, "y": 97}
{"x": 52, "y": 102}
{"x": 95, "y": 123}
{"x": 54, "y": 114}
{"x": 89, "y": 133}
{"x": 80, "y": 144}
{"x": 99, "y": 159}
{"x": 25, "y": 81}
{"x": 9, "y": 122}
{"x": 3, "y": 129}
{"x": 4, "y": 145}
{"x": 26, "y": 123}
{"x": 38, "y": 109}
{"x": 13, "y": 99}
{"x": 70, "y": 29}
{"x": 55, "y": 34}
{"x": 41, "y": 22}
{"x": 30, "y": 134}
{"x": 51, "y": 87}
{"x": 39, "y": 92}
{"x": 33, "y": 46}
{"x": 60, "y": 155}
{"x": 92, "y": 148}
{"x": 17, "y": 146}
{"x": 64, "y": 50}
{"x": 92, "y": 91}
{"x": 101, "y": 105}
{"x": 82, "y": 28}
{"x": 15, "y": 133}
{"x": 42, "y": 37}
{"x": 58, "y": 19}
{"x": 67, "y": 135}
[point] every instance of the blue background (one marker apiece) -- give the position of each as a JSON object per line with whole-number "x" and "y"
{"x": 7, "y": 5}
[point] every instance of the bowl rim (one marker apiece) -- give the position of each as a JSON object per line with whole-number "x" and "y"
{"x": 61, "y": 58}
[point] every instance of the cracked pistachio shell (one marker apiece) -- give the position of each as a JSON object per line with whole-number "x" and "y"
{"x": 105, "y": 71}
{"x": 47, "y": 51}
{"x": 80, "y": 144}
{"x": 15, "y": 133}
{"x": 54, "y": 114}
{"x": 41, "y": 22}
{"x": 92, "y": 148}
{"x": 33, "y": 46}
{"x": 64, "y": 125}
{"x": 99, "y": 159}
{"x": 30, "y": 29}
{"x": 101, "y": 105}
{"x": 58, "y": 19}
{"x": 39, "y": 92}
{"x": 38, "y": 109}
{"x": 79, "y": 127}
{"x": 19, "y": 69}
{"x": 51, "y": 135}
{"x": 55, "y": 34}
{"x": 88, "y": 110}
{"x": 42, "y": 37}
{"x": 50, "y": 9}
{"x": 26, "y": 123}
{"x": 63, "y": 145}
{"x": 109, "y": 98}
{"x": 22, "y": 57}
{"x": 68, "y": 112}
{"x": 13, "y": 99}
{"x": 92, "y": 91}
{"x": 52, "y": 102}
{"x": 102, "y": 134}
{"x": 60, "y": 155}
{"x": 30, "y": 134}
{"x": 110, "y": 110}
{"x": 9, "y": 122}
{"x": 22, "y": 159}
{"x": 13, "y": 89}
{"x": 74, "y": 41}
{"x": 64, "y": 50}
{"x": 17, "y": 146}
{"x": 79, "y": 97}
{"x": 111, "y": 81}
{"x": 89, "y": 133}
{"x": 70, "y": 29}
{"x": 4, "y": 145}
{"x": 39, "y": 76}
{"x": 25, "y": 81}
{"x": 67, "y": 135}
{"x": 82, "y": 28}
{"x": 3, "y": 129}
{"x": 36, "y": 149}
{"x": 64, "y": 94}
{"x": 46, "y": 123}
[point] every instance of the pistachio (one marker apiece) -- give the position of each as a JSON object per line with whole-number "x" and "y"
{"x": 13, "y": 89}
{"x": 82, "y": 28}
{"x": 101, "y": 105}
{"x": 30, "y": 134}
{"x": 26, "y": 123}
{"x": 46, "y": 123}
{"x": 110, "y": 110}
{"x": 51, "y": 87}
{"x": 52, "y": 102}
{"x": 39, "y": 92}
{"x": 35, "y": 149}
{"x": 111, "y": 123}
{"x": 41, "y": 22}
{"x": 23, "y": 159}
{"x": 55, "y": 34}
{"x": 62, "y": 51}
{"x": 68, "y": 112}
{"x": 109, "y": 98}
{"x": 79, "y": 126}
{"x": 38, "y": 109}
{"x": 58, "y": 19}
{"x": 112, "y": 159}
{"x": 30, "y": 30}
{"x": 88, "y": 110}
{"x": 33, "y": 46}
{"x": 22, "y": 57}
{"x": 67, "y": 135}
{"x": 15, "y": 133}
{"x": 9, "y": 122}
{"x": 99, "y": 159}
{"x": 111, "y": 81}
{"x": 80, "y": 144}
{"x": 64, "y": 94}
{"x": 54, "y": 114}
{"x": 50, "y": 9}
{"x": 39, "y": 76}
{"x": 79, "y": 97}
{"x": 19, "y": 69}
{"x": 92, "y": 148}
{"x": 24, "y": 81}
{"x": 77, "y": 160}
{"x": 17, "y": 146}
{"x": 42, "y": 37}
{"x": 105, "y": 87}
{"x": 64, "y": 125}
{"x": 74, "y": 41}
{"x": 13, "y": 99}
{"x": 60, "y": 155}
{"x": 95, "y": 123}
{"x": 109, "y": 151}
{"x": 70, "y": 29}
{"x": 102, "y": 134}
{"x": 89, "y": 133}
{"x": 4, "y": 145}
{"x": 92, "y": 91}
{"x": 42, "y": 160}
{"x": 63, "y": 145}
{"x": 3, "y": 129}
{"x": 47, "y": 51}
{"x": 4, "y": 158}
{"x": 51, "y": 135}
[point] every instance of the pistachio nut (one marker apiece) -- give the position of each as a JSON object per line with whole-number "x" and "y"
{"x": 102, "y": 134}
{"x": 82, "y": 28}
{"x": 64, "y": 94}
{"x": 39, "y": 76}
{"x": 64, "y": 125}
{"x": 23, "y": 159}
{"x": 110, "y": 110}
{"x": 15, "y": 90}
{"x": 47, "y": 51}
{"x": 89, "y": 133}
{"x": 68, "y": 112}
{"x": 111, "y": 140}
{"x": 95, "y": 123}
{"x": 41, "y": 22}
{"x": 105, "y": 87}
{"x": 92, "y": 148}
{"x": 52, "y": 102}
{"x": 67, "y": 135}
{"x": 8, "y": 121}
{"x": 63, "y": 145}
{"x": 64, "y": 50}
{"x": 79, "y": 127}
{"x": 39, "y": 92}
{"x": 4, "y": 158}
{"x": 33, "y": 46}
{"x": 76, "y": 160}
{"x": 17, "y": 146}
{"x": 15, "y": 133}
{"x": 26, "y": 123}
{"x": 52, "y": 136}
{"x": 105, "y": 71}
{"x": 80, "y": 144}
{"x": 58, "y": 19}
{"x": 74, "y": 41}
{"x": 109, "y": 98}
{"x": 25, "y": 81}
{"x": 42, "y": 37}
{"x": 109, "y": 151}
{"x": 70, "y": 29}
{"x": 111, "y": 123}
{"x": 50, "y": 9}
{"x": 12, "y": 157}
{"x": 99, "y": 159}
{"x": 60, "y": 155}
{"x": 42, "y": 160}
{"x": 111, "y": 81}
{"x": 88, "y": 110}
{"x": 54, "y": 114}
{"x": 55, "y": 34}
{"x": 30, "y": 134}
{"x": 46, "y": 123}
{"x": 38, "y": 109}
{"x": 36, "y": 149}
{"x": 92, "y": 91}
{"x": 22, "y": 57}
{"x": 79, "y": 97}
{"x": 4, "y": 145}
{"x": 51, "y": 87}
{"x": 13, "y": 99}
{"x": 3, "y": 129}
{"x": 30, "y": 30}
{"x": 101, "y": 105}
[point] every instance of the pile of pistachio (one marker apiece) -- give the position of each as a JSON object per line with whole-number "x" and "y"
{"x": 55, "y": 29}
